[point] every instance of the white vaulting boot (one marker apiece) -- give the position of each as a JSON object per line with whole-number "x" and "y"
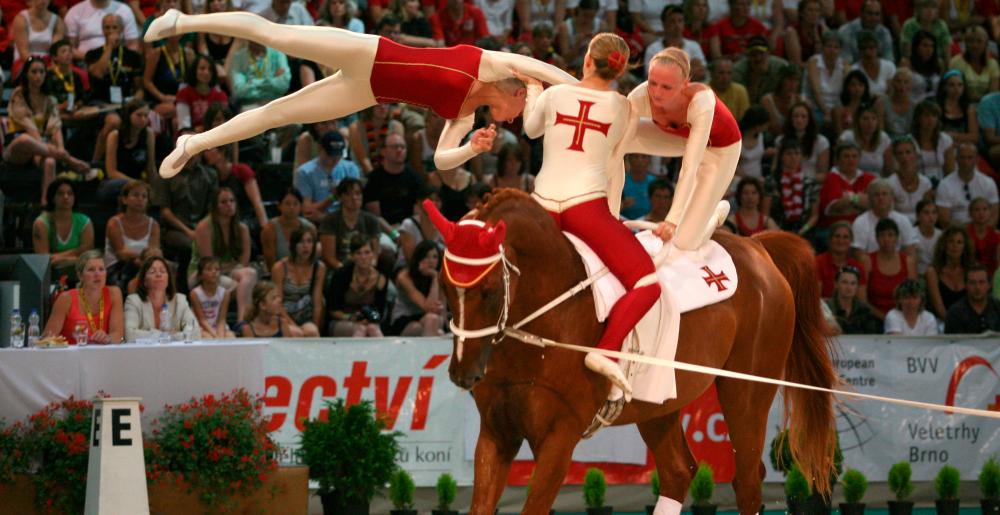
{"x": 667, "y": 506}
{"x": 162, "y": 27}
{"x": 608, "y": 368}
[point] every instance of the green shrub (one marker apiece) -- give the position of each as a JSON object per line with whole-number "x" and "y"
{"x": 702, "y": 485}
{"x": 796, "y": 485}
{"x": 654, "y": 481}
{"x": 989, "y": 479}
{"x": 781, "y": 456}
{"x": 899, "y": 480}
{"x": 946, "y": 482}
{"x": 401, "y": 489}
{"x": 855, "y": 485}
{"x": 594, "y": 488}
{"x": 447, "y": 489}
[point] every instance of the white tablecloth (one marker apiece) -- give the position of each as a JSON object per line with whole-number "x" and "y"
{"x": 160, "y": 374}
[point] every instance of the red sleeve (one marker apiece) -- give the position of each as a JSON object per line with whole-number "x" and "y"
{"x": 186, "y": 95}
{"x": 829, "y": 193}
{"x": 243, "y": 172}
{"x": 84, "y": 77}
{"x": 436, "y": 25}
{"x": 866, "y": 179}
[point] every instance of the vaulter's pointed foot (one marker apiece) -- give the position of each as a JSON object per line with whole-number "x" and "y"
{"x": 162, "y": 27}
{"x": 175, "y": 162}
{"x": 605, "y": 366}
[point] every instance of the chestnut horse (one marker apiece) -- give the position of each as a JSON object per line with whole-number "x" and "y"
{"x": 772, "y": 327}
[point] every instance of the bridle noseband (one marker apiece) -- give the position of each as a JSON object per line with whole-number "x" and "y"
{"x": 496, "y": 331}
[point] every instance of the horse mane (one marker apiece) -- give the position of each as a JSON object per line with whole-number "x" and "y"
{"x": 501, "y": 197}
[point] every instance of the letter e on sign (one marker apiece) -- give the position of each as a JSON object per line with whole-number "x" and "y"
{"x": 119, "y": 426}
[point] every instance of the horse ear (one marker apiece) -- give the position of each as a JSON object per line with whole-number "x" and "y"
{"x": 444, "y": 226}
{"x": 496, "y": 234}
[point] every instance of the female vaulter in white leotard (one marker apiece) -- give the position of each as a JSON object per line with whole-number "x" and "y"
{"x": 453, "y": 82}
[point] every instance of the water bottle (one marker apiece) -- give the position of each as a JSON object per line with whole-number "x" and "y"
{"x": 272, "y": 145}
{"x": 16, "y": 330}
{"x": 34, "y": 330}
{"x": 165, "y": 323}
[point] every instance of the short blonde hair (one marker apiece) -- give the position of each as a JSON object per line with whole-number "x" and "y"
{"x": 676, "y": 57}
{"x": 601, "y": 47}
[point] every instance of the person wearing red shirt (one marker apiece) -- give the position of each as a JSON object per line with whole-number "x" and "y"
{"x": 985, "y": 238}
{"x": 837, "y": 257}
{"x": 459, "y": 24}
{"x": 200, "y": 92}
{"x": 735, "y": 30}
{"x": 843, "y": 197}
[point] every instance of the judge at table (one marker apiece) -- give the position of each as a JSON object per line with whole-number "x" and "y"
{"x": 144, "y": 309}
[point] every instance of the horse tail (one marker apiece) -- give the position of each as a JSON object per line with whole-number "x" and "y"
{"x": 808, "y": 414}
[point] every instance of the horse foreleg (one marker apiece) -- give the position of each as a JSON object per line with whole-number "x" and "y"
{"x": 746, "y": 406}
{"x": 553, "y": 455}
{"x": 493, "y": 457}
{"x": 674, "y": 463}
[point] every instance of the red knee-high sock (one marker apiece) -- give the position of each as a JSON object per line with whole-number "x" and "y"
{"x": 626, "y": 313}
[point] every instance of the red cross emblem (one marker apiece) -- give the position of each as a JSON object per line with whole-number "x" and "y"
{"x": 713, "y": 278}
{"x": 582, "y": 123}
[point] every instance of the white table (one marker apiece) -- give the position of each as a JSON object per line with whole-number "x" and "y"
{"x": 160, "y": 374}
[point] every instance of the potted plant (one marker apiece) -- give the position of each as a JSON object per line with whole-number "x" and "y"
{"x": 594, "y": 488}
{"x": 654, "y": 482}
{"x": 57, "y": 441}
{"x": 946, "y": 487}
{"x": 989, "y": 485}
{"x": 349, "y": 455}
{"x": 447, "y": 489}
{"x": 901, "y": 487}
{"x": 782, "y": 460}
{"x": 797, "y": 491}
{"x": 702, "y": 487}
{"x": 401, "y": 490}
{"x": 855, "y": 485}
{"x": 13, "y": 460}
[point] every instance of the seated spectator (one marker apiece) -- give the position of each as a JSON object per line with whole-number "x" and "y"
{"x": 985, "y": 237}
{"x": 84, "y": 30}
{"x": 93, "y": 305}
{"x": 803, "y": 37}
{"x": 875, "y": 145}
{"x": 216, "y": 46}
{"x": 257, "y": 74}
{"x": 415, "y": 27}
{"x": 635, "y": 199}
{"x": 218, "y": 114}
{"x": 925, "y": 18}
{"x": 854, "y": 316}
{"x": 499, "y": 17}
{"x": 34, "y": 128}
{"x": 661, "y": 196}
{"x": 956, "y": 190}
{"x": 978, "y": 312}
{"x": 958, "y": 115}
{"x": 274, "y": 235}
{"x": 307, "y": 143}
{"x": 201, "y": 90}
{"x": 732, "y": 93}
{"x": 511, "y": 171}
{"x": 753, "y": 125}
{"x": 945, "y": 277}
{"x": 837, "y": 257}
{"x": 801, "y": 125}
{"x": 115, "y": 73}
{"x": 757, "y": 70}
{"x": 672, "y": 21}
{"x": 129, "y": 233}
{"x": 318, "y": 178}
{"x": 210, "y": 301}
{"x": 898, "y": 104}
{"x": 343, "y": 15}
{"x": 927, "y": 231}
{"x": 843, "y": 196}
{"x": 870, "y": 19}
{"x": 61, "y": 232}
{"x": 131, "y": 150}
{"x": 34, "y": 30}
{"x": 339, "y": 227}
{"x": 417, "y": 228}
{"x": 699, "y": 23}
{"x": 780, "y": 101}
{"x": 300, "y": 276}
{"x": 162, "y": 75}
{"x": 793, "y": 196}
{"x": 144, "y": 309}
{"x": 460, "y": 23}
{"x": 855, "y": 92}
{"x": 908, "y": 186}
{"x": 453, "y": 187}
{"x": 264, "y": 320}
{"x": 909, "y": 318}
{"x": 877, "y": 70}
{"x": 748, "y": 218}
{"x": 368, "y": 135}
{"x": 880, "y": 199}
{"x": 740, "y": 33}
{"x": 239, "y": 178}
{"x": 419, "y": 309}
{"x": 988, "y": 117}
{"x": 357, "y": 293}
{"x": 981, "y": 70}
{"x": 288, "y": 13}
{"x": 573, "y": 37}
{"x": 937, "y": 154}
{"x": 925, "y": 64}
{"x": 68, "y": 84}
{"x": 222, "y": 235}
{"x": 887, "y": 267}
{"x": 393, "y": 186}
{"x": 148, "y": 252}
{"x": 825, "y": 72}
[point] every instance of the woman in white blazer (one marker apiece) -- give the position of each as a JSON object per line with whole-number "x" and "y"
{"x": 144, "y": 308}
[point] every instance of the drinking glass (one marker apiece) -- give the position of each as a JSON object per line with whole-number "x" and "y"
{"x": 80, "y": 335}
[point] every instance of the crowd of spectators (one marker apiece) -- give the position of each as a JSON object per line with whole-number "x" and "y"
{"x": 870, "y": 128}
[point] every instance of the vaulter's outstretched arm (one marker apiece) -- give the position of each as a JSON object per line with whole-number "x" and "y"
{"x": 450, "y": 153}
{"x": 497, "y": 66}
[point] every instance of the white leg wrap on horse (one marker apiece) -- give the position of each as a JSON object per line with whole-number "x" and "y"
{"x": 667, "y": 506}
{"x": 646, "y": 280}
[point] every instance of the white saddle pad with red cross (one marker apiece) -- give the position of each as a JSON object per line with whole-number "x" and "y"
{"x": 688, "y": 281}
